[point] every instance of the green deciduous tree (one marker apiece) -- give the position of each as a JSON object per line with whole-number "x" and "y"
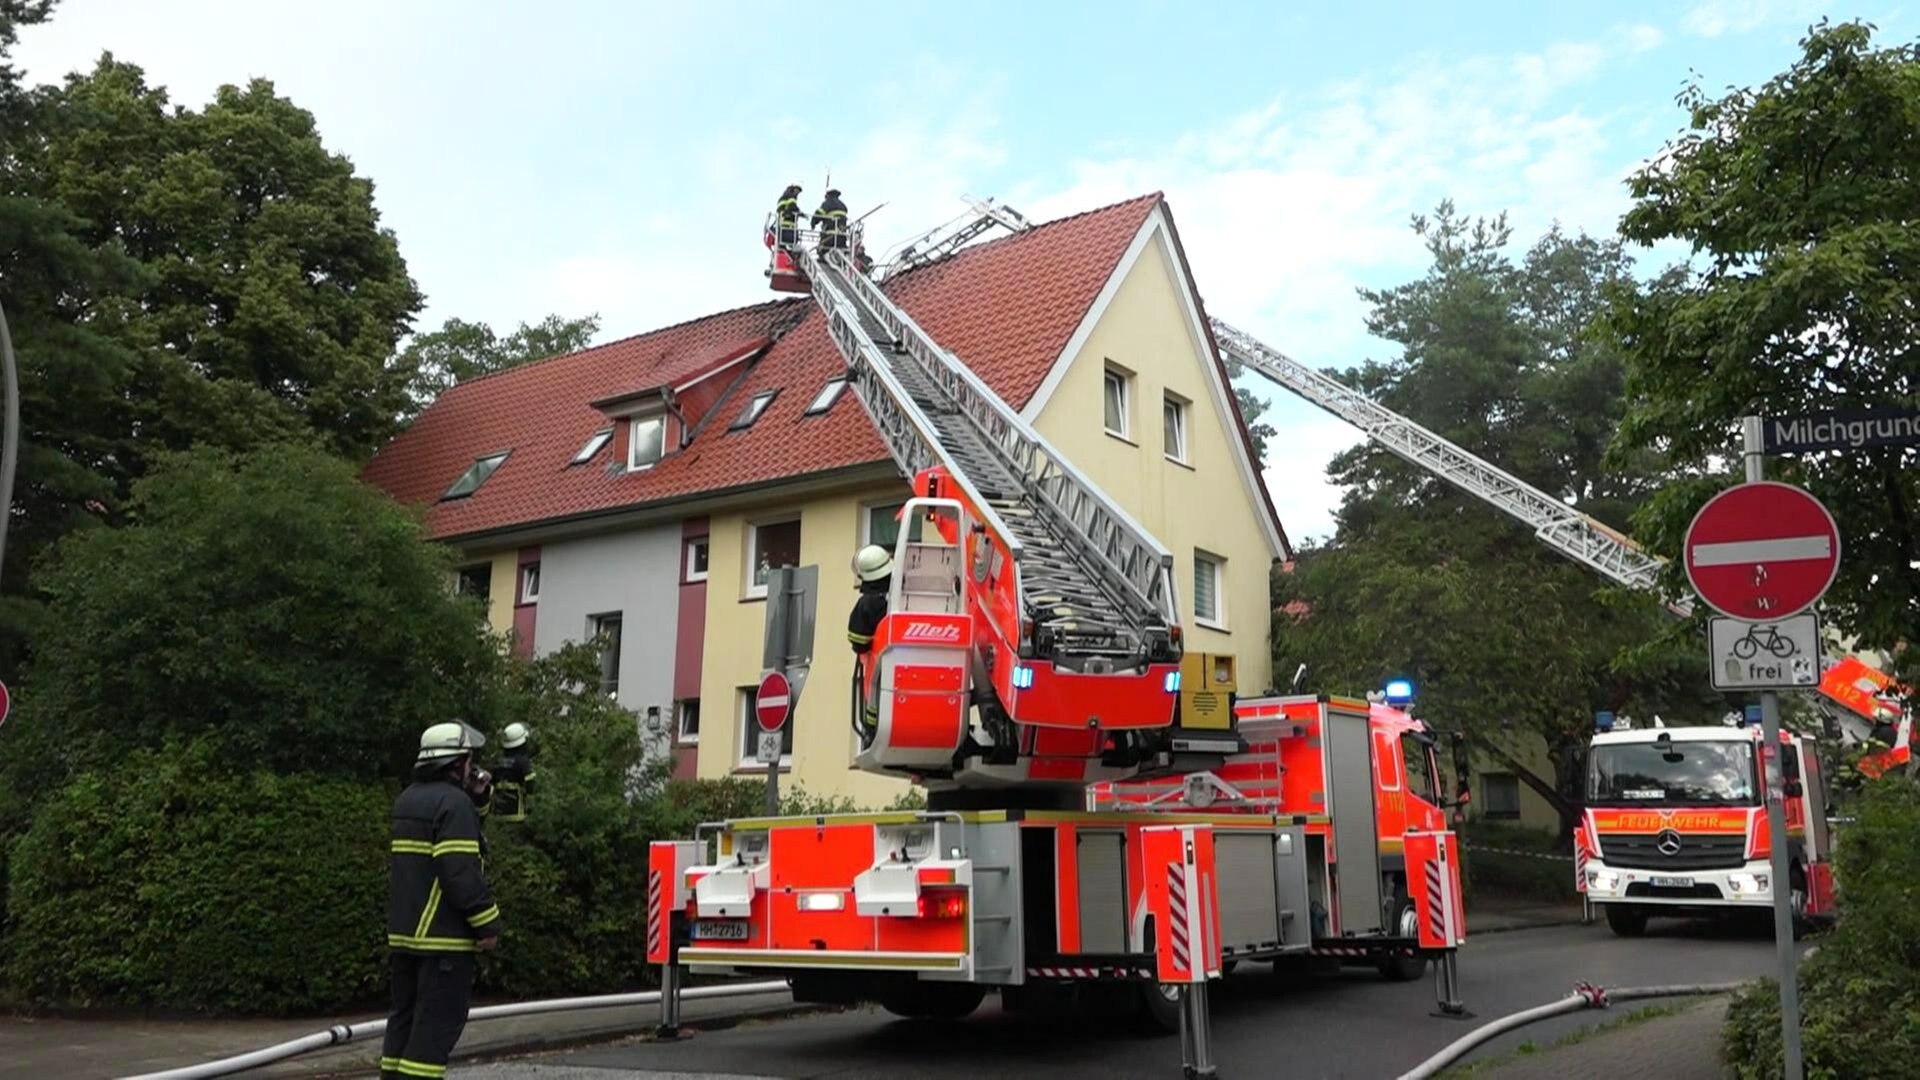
{"x": 461, "y": 350}
{"x": 1252, "y": 408}
{"x": 1503, "y": 637}
{"x": 1800, "y": 203}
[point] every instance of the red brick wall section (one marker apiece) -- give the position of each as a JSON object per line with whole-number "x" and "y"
{"x": 690, "y": 634}
{"x": 524, "y": 615}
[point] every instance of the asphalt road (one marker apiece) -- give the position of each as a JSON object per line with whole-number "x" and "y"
{"x": 1350, "y": 1025}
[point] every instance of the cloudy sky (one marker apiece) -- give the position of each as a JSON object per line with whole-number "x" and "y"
{"x": 618, "y": 157}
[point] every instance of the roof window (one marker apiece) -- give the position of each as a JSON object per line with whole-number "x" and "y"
{"x": 594, "y": 443}
{"x": 475, "y": 475}
{"x": 829, "y": 394}
{"x": 753, "y": 410}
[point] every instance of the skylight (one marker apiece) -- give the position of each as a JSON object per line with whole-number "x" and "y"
{"x": 829, "y": 394}
{"x": 594, "y": 442}
{"x": 753, "y": 410}
{"x": 475, "y": 475}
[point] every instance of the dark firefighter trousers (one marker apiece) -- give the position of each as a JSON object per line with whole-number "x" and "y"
{"x": 430, "y": 996}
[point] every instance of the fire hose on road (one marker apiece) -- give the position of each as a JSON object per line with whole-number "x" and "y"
{"x": 1584, "y": 996}
{"x": 341, "y": 1034}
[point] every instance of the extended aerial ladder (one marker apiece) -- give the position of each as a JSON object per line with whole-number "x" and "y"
{"x": 1054, "y": 608}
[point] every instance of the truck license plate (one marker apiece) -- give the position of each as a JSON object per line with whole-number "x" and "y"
{"x": 1664, "y": 883}
{"x": 709, "y": 930}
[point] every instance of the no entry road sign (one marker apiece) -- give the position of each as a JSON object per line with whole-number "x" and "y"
{"x": 773, "y": 701}
{"x": 1762, "y": 551}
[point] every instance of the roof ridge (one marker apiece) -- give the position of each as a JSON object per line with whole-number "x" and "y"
{"x": 769, "y": 304}
{"x": 1154, "y": 196}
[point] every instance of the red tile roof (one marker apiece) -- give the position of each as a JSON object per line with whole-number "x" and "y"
{"x": 1008, "y": 307}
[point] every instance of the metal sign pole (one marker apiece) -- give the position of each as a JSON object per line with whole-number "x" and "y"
{"x": 1777, "y": 820}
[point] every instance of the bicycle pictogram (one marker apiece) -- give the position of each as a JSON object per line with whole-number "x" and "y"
{"x": 1764, "y": 637}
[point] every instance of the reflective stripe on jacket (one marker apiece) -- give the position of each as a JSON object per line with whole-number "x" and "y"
{"x": 437, "y": 895}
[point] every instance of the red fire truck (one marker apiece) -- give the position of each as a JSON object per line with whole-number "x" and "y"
{"x": 1675, "y": 824}
{"x": 1030, "y": 655}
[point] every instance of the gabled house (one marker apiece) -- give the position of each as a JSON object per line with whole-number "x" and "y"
{"x": 638, "y": 491}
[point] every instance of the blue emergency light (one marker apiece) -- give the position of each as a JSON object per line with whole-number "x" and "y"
{"x": 1022, "y": 677}
{"x": 1399, "y": 691}
{"x": 1171, "y": 683}
{"x": 1752, "y": 715}
{"x": 1603, "y": 720}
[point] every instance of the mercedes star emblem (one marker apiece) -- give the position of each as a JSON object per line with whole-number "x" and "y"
{"x": 1668, "y": 842}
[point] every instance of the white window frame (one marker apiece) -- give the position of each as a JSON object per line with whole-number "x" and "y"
{"x": 1182, "y": 426}
{"x": 757, "y": 590}
{"x": 594, "y": 444}
{"x": 755, "y": 408}
{"x": 1218, "y": 620}
{"x": 483, "y": 468}
{"x": 530, "y": 583}
{"x": 866, "y": 520}
{"x": 828, "y": 394}
{"x": 748, "y": 726}
{"x": 1124, "y": 378}
{"x": 633, "y": 442}
{"x": 692, "y": 575}
{"x": 595, "y": 623}
{"x": 680, "y": 735}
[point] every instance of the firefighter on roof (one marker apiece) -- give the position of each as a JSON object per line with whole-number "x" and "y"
{"x": 874, "y": 567}
{"x": 439, "y": 910}
{"x": 831, "y": 220}
{"x": 513, "y": 776}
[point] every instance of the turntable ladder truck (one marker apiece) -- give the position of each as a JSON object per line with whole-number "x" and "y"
{"x": 1032, "y": 650}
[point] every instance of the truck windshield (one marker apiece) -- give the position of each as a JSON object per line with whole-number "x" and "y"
{"x": 1640, "y": 774}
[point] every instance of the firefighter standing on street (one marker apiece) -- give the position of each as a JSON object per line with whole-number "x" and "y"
{"x": 874, "y": 567}
{"x": 513, "y": 776}
{"x": 786, "y": 215}
{"x": 831, "y": 220}
{"x": 439, "y": 910}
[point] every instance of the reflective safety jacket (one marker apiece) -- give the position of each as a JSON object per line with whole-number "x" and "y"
{"x": 867, "y": 613}
{"x": 512, "y": 783}
{"x": 787, "y": 211}
{"x": 437, "y": 896}
{"x": 831, "y": 218}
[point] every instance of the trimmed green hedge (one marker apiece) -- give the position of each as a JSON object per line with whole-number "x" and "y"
{"x": 1860, "y": 994}
{"x": 159, "y": 882}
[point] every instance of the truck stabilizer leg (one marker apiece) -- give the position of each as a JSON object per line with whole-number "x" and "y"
{"x": 669, "y": 1001}
{"x": 1196, "y": 1034}
{"x": 1446, "y": 985}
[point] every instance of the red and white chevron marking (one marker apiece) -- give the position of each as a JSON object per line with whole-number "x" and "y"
{"x": 1436, "y": 901}
{"x": 656, "y": 904}
{"x": 1338, "y": 950}
{"x": 1179, "y": 916}
{"x": 1579, "y": 868}
{"x": 1088, "y": 973}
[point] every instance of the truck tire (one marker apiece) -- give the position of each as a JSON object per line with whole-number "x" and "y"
{"x": 1626, "y": 920}
{"x": 1402, "y": 967}
{"x": 1159, "y": 1008}
{"x": 933, "y": 1000}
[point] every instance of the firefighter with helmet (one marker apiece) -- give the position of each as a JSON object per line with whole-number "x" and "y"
{"x": 786, "y": 215}
{"x": 439, "y": 909}
{"x": 874, "y": 567}
{"x": 831, "y": 220}
{"x": 513, "y": 775}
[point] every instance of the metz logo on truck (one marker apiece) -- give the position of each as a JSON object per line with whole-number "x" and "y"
{"x": 936, "y": 633}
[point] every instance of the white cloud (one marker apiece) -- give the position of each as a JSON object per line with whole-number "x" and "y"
{"x": 1715, "y": 18}
{"x": 1641, "y": 37}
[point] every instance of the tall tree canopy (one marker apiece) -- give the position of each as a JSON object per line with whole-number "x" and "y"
{"x": 1501, "y": 635}
{"x": 461, "y": 350}
{"x": 178, "y": 278}
{"x": 1800, "y": 203}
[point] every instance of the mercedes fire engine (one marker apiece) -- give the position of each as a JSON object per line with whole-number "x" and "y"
{"x": 1676, "y": 824}
{"x": 1030, "y": 675}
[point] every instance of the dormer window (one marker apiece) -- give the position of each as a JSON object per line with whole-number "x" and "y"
{"x": 475, "y": 475}
{"x": 594, "y": 442}
{"x": 829, "y": 394}
{"x": 753, "y": 410}
{"x": 646, "y": 443}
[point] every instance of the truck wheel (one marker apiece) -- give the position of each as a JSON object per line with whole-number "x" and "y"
{"x": 1159, "y": 1008}
{"x": 1626, "y": 920}
{"x": 934, "y": 1001}
{"x": 1404, "y": 967}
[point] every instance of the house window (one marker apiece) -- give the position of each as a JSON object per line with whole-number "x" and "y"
{"x": 1500, "y": 795}
{"x": 882, "y": 526}
{"x": 770, "y": 544}
{"x": 475, "y": 475}
{"x": 475, "y": 581}
{"x": 686, "y": 720}
{"x": 646, "y": 443}
{"x": 1209, "y": 590}
{"x": 605, "y": 632}
{"x": 1116, "y": 394}
{"x": 750, "y": 732}
{"x": 829, "y": 394}
{"x": 1173, "y": 427}
{"x": 594, "y": 442}
{"x": 753, "y": 410}
{"x": 530, "y": 583}
{"x": 696, "y": 560}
